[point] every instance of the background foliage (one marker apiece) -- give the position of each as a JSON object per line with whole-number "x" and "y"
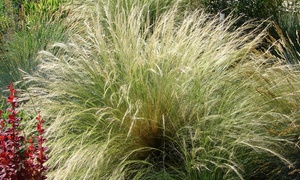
{"x": 284, "y": 14}
{"x": 28, "y": 27}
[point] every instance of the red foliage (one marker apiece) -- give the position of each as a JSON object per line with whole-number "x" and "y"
{"x": 17, "y": 161}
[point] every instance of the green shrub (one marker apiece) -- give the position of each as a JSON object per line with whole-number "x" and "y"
{"x": 253, "y": 9}
{"x": 285, "y": 14}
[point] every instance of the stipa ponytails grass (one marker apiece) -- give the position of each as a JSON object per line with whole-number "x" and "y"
{"x": 175, "y": 99}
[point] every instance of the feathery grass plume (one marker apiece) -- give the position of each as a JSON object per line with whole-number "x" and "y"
{"x": 285, "y": 47}
{"x": 182, "y": 98}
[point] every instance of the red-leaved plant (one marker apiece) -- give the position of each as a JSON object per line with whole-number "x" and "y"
{"x": 20, "y": 158}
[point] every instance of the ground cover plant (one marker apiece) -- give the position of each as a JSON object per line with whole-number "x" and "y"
{"x": 21, "y": 157}
{"x": 177, "y": 98}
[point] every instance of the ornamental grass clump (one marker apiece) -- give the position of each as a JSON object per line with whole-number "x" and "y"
{"x": 179, "y": 98}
